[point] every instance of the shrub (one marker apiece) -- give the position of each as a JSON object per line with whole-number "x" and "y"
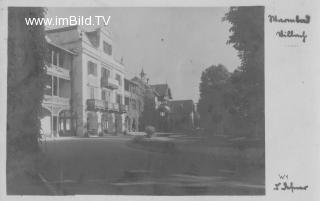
{"x": 138, "y": 139}
{"x": 150, "y": 130}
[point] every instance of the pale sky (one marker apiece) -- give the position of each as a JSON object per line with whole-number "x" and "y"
{"x": 173, "y": 45}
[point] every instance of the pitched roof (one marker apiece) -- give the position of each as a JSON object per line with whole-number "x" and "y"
{"x": 58, "y": 46}
{"x": 138, "y": 81}
{"x": 62, "y": 29}
{"x": 162, "y": 89}
{"x": 181, "y": 106}
{"x": 74, "y": 34}
{"x": 131, "y": 81}
{"x": 64, "y": 35}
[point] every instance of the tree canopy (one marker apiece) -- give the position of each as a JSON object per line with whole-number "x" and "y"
{"x": 213, "y": 87}
{"x": 248, "y": 80}
{"x": 26, "y": 69}
{"x": 239, "y": 96}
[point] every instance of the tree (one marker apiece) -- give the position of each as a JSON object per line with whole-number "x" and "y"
{"x": 248, "y": 79}
{"x": 213, "y": 89}
{"x": 148, "y": 116}
{"x": 26, "y": 71}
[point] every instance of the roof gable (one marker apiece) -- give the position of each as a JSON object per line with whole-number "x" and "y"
{"x": 163, "y": 90}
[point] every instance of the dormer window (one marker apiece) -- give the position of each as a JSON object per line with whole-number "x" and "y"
{"x": 107, "y": 48}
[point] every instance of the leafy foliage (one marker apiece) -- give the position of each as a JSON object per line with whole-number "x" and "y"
{"x": 248, "y": 80}
{"x": 148, "y": 117}
{"x": 237, "y": 100}
{"x": 26, "y": 70}
{"x": 150, "y": 130}
{"x": 213, "y": 87}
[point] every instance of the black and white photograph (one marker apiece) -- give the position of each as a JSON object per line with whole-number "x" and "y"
{"x": 136, "y": 101}
{"x": 163, "y": 101}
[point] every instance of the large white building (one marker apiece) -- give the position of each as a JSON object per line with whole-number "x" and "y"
{"x": 87, "y": 97}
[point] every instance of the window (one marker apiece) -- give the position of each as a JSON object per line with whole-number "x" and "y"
{"x": 134, "y": 104}
{"x": 48, "y": 85}
{"x": 108, "y": 95}
{"x": 105, "y": 73}
{"x": 60, "y": 60}
{"x": 107, "y": 48}
{"x": 68, "y": 123}
{"x": 126, "y": 85}
{"x": 55, "y": 86}
{"x": 118, "y": 77}
{"x": 55, "y": 123}
{"x": 105, "y": 95}
{"x": 91, "y": 92}
{"x": 92, "y": 121}
{"x": 119, "y": 99}
{"x": 92, "y": 68}
{"x": 55, "y": 57}
{"x": 162, "y": 114}
{"x": 126, "y": 101}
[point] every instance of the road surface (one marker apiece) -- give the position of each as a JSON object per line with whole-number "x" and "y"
{"x": 115, "y": 165}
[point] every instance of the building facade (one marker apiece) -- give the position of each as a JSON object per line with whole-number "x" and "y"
{"x": 163, "y": 110}
{"x": 148, "y": 102}
{"x": 87, "y": 93}
{"x": 134, "y": 100}
{"x": 96, "y": 81}
{"x": 56, "y": 113}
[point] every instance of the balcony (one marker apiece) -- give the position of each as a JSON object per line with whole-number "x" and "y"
{"x": 95, "y": 104}
{"x": 58, "y": 71}
{"x": 56, "y": 100}
{"x": 113, "y": 107}
{"x": 109, "y": 83}
{"x": 123, "y": 108}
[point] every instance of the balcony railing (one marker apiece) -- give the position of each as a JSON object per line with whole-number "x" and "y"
{"x": 109, "y": 83}
{"x": 95, "y": 104}
{"x": 58, "y": 71}
{"x": 56, "y": 100}
{"x": 113, "y": 107}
